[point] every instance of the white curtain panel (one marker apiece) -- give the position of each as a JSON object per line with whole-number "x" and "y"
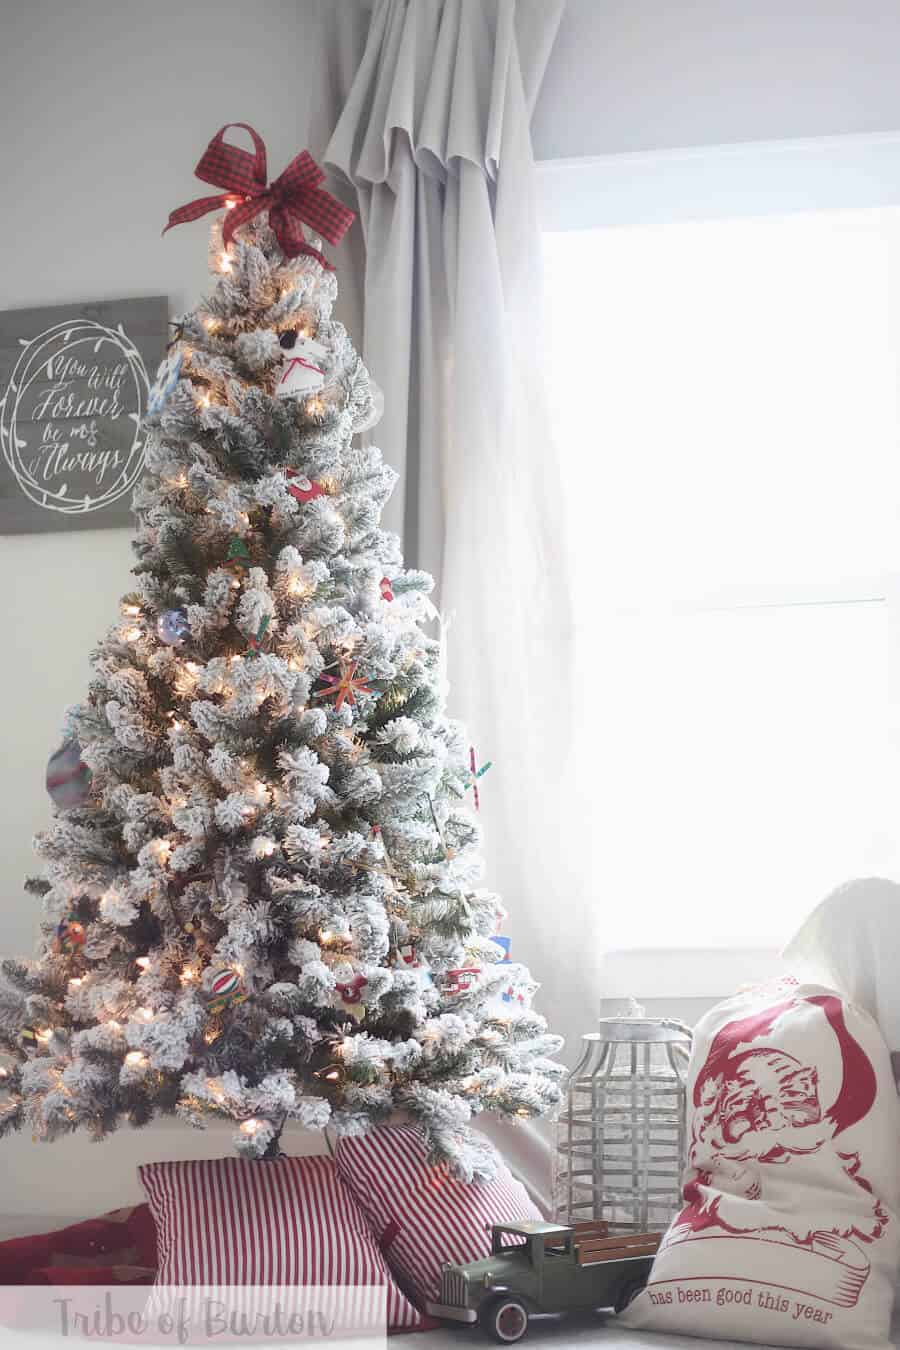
{"x": 435, "y": 139}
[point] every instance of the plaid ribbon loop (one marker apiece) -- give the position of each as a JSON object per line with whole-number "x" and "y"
{"x": 295, "y": 197}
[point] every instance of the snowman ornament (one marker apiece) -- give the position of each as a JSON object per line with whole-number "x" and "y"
{"x": 302, "y": 366}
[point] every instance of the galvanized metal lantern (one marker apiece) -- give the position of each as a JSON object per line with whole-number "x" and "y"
{"x": 621, "y": 1133}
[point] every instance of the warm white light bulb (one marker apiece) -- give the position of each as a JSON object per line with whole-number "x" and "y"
{"x": 143, "y": 962}
{"x": 250, "y": 1126}
{"x": 135, "y": 1058}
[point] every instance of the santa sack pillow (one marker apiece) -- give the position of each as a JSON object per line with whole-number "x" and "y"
{"x": 789, "y": 1233}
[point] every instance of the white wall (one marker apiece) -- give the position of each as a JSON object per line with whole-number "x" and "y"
{"x": 106, "y": 107}
{"x": 649, "y": 74}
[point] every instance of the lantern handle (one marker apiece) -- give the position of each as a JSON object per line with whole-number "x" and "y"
{"x": 677, "y": 1025}
{"x": 675, "y": 1048}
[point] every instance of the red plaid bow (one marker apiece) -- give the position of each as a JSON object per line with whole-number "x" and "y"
{"x": 294, "y": 197}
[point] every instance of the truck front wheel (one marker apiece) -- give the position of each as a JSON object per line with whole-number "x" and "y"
{"x": 505, "y": 1319}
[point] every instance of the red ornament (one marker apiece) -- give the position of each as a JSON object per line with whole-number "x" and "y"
{"x": 351, "y": 990}
{"x": 460, "y": 981}
{"x": 346, "y": 686}
{"x": 70, "y": 935}
{"x": 406, "y": 955}
{"x": 350, "y": 993}
{"x": 305, "y": 489}
{"x": 226, "y": 990}
{"x": 386, "y": 592}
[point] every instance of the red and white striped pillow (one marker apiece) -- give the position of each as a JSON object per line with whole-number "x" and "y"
{"x": 423, "y": 1215}
{"x": 230, "y": 1221}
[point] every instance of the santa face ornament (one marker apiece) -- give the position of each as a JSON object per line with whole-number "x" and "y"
{"x": 302, "y": 367}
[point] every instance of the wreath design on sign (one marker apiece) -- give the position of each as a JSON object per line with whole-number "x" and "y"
{"x": 43, "y": 358}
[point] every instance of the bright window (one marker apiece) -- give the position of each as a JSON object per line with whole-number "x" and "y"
{"x": 727, "y": 394}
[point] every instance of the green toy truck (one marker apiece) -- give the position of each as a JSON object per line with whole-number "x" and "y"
{"x": 545, "y": 1268}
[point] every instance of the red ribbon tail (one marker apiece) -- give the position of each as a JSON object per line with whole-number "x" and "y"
{"x": 201, "y": 206}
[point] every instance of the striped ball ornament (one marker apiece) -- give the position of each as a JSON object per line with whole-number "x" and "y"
{"x": 226, "y": 990}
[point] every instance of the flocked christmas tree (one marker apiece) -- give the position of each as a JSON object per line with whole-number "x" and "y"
{"x": 261, "y": 892}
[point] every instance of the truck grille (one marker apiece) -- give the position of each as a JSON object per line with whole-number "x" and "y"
{"x": 453, "y": 1289}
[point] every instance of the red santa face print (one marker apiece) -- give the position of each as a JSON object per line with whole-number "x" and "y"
{"x": 756, "y": 1109}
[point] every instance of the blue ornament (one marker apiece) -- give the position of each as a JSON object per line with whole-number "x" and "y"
{"x": 68, "y": 777}
{"x": 167, "y": 376}
{"x": 172, "y": 627}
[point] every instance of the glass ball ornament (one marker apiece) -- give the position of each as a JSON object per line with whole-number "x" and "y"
{"x": 173, "y": 627}
{"x": 68, "y": 777}
{"x": 225, "y": 989}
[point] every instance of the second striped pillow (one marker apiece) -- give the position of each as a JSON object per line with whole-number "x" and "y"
{"x": 422, "y": 1215}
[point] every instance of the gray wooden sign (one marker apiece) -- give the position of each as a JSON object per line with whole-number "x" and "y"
{"x": 73, "y": 390}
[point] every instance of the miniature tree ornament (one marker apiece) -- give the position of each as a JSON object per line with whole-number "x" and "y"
{"x": 260, "y": 802}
